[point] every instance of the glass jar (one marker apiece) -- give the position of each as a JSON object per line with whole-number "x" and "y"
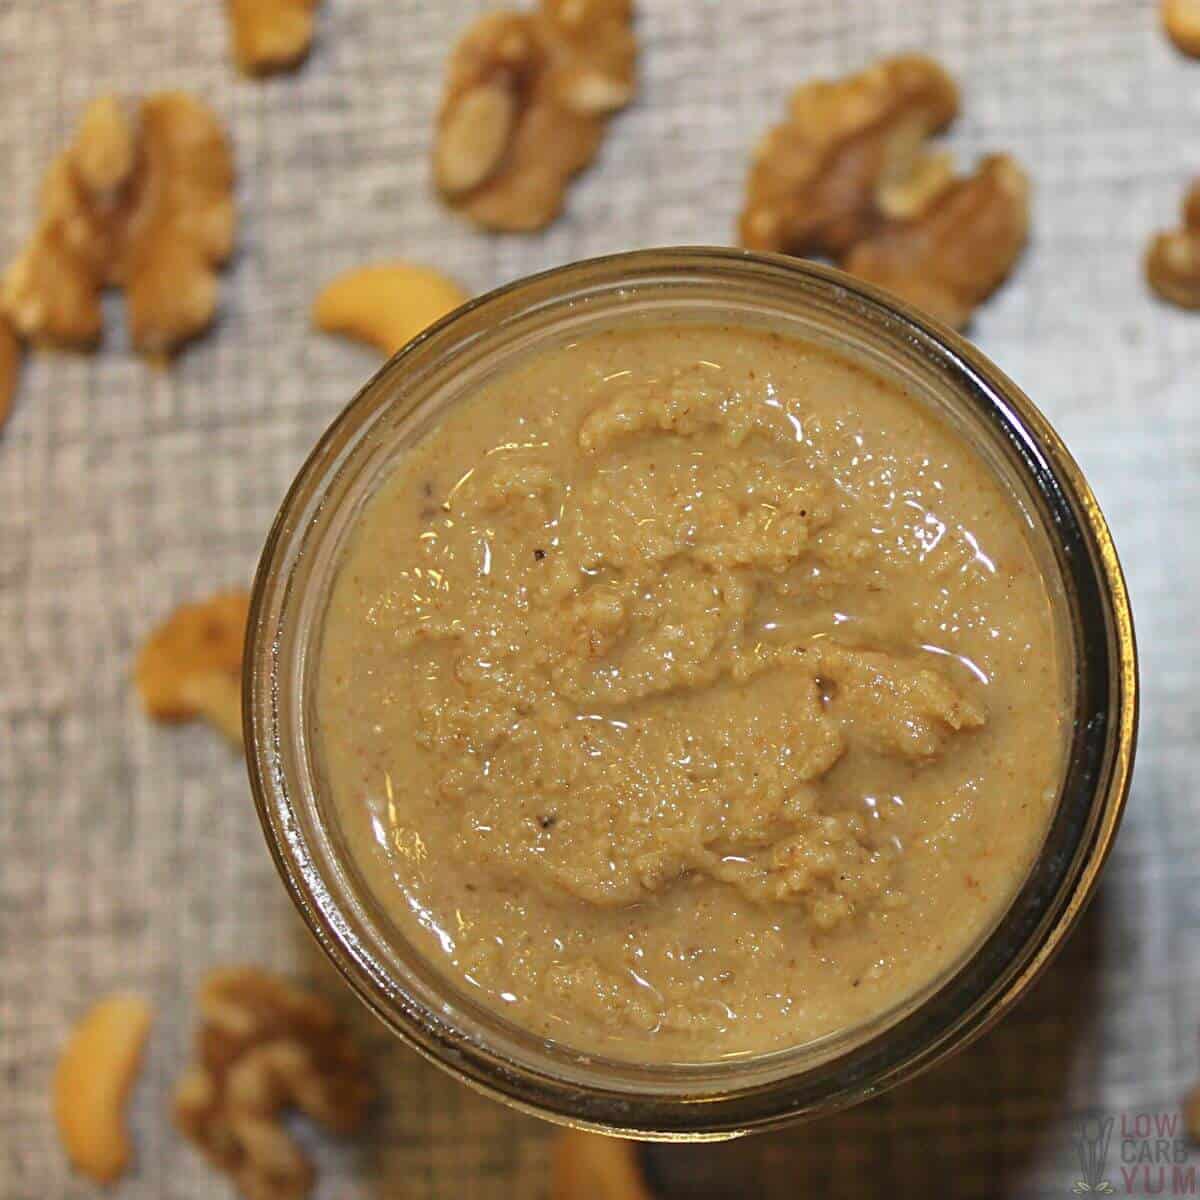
{"x": 399, "y": 405}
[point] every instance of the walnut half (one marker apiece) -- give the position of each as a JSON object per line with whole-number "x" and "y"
{"x": 526, "y": 100}
{"x": 850, "y": 176}
{"x": 956, "y": 249}
{"x": 191, "y": 665}
{"x": 1173, "y": 259}
{"x": 818, "y": 179}
{"x": 142, "y": 200}
{"x": 264, "y": 1046}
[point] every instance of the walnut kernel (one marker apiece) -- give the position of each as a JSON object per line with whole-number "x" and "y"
{"x": 270, "y": 35}
{"x": 1173, "y": 259}
{"x": 474, "y": 137}
{"x": 1181, "y": 19}
{"x": 191, "y": 665}
{"x": 818, "y": 178}
{"x": 92, "y": 1082}
{"x": 264, "y": 1045}
{"x": 850, "y": 176}
{"x": 950, "y": 255}
{"x": 526, "y": 99}
{"x": 900, "y": 199}
{"x": 141, "y": 199}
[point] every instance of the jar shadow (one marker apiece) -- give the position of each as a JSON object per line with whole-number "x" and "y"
{"x": 969, "y": 1127}
{"x": 427, "y": 1136}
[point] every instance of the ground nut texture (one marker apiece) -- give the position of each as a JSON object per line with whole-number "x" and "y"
{"x": 691, "y": 693}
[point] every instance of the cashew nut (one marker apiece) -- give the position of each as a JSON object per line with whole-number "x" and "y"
{"x": 94, "y": 1076}
{"x": 1181, "y": 19}
{"x": 385, "y": 305}
{"x": 591, "y": 1166}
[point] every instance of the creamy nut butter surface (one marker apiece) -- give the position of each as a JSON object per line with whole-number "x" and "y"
{"x": 690, "y": 692}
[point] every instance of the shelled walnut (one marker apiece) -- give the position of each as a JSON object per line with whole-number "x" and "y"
{"x": 850, "y": 176}
{"x": 819, "y": 179}
{"x": 264, "y": 1046}
{"x": 191, "y": 665}
{"x": 526, "y": 100}
{"x": 1173, "y": 259}
{"x": 956, "y": 247}
{"x": 141, "y": 200}
{"x": 270, "y": 35}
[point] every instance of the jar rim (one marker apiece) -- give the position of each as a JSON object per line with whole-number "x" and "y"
{"x": 944, "y": 1020}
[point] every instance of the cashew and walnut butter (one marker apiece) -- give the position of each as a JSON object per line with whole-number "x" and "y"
{"x": 691, "y": 692}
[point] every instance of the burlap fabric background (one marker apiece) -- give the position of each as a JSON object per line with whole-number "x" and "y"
{"x": 129, "y": 854}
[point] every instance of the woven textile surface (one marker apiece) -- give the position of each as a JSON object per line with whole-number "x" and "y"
{"x": 130, "y": 855}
